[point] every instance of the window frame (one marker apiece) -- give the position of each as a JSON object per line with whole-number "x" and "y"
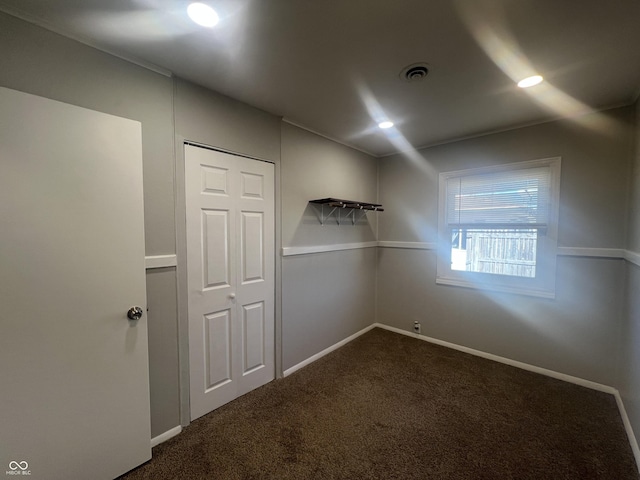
{"x": 544, "y": 283}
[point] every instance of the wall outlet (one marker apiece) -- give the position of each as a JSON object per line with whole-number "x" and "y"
{"x": 417, "y": 328}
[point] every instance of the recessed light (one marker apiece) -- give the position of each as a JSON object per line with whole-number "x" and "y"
{"x": 530, "y": 81}
{"x": 385, "y": 125}
{"x": 202, "y": 14}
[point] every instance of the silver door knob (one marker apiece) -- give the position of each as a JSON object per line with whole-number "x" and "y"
{"x": 135, "y": 313}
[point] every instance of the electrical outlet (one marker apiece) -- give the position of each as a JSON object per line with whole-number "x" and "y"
{"x": 417, "y": 328}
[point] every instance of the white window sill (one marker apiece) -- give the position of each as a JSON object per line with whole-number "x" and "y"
{"x": 532, "y": 292}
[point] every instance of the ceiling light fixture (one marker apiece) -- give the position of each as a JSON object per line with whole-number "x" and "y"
{"x": 530, "y": 81}
{"x": 385, "y": 125}
{"x": 202, "y": 14}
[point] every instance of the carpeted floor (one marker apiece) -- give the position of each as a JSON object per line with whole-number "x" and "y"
{"x": 387, "y": 406}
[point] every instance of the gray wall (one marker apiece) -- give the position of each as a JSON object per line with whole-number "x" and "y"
{"x": 213, "y": 119}
{"x": 163, "y": 351}
{"x": 630, "y": 361}
{"x": 314, "y": 167}
{"x": 325, "y": 296}
{"x": 633, "y": 243}
{"x": 578, "y": 333}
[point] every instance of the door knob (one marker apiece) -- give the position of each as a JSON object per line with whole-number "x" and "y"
{"x": 135, "y": 313}
{"x": 232, "y": 296}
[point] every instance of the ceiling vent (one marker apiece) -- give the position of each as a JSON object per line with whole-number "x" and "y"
{"x": 415, "y": 72}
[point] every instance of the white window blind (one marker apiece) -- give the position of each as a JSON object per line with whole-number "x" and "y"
{"x": 503, "y": 199}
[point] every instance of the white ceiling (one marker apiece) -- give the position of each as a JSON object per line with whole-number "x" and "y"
{"x": 333, "y": 66}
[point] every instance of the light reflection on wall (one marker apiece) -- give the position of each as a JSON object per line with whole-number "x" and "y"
{"x": 489, "y": 26}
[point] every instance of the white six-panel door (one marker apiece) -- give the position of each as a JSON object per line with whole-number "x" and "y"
{"x": 230, "y": 262}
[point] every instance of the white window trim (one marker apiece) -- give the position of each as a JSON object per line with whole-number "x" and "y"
{"x": 544, "y": 285}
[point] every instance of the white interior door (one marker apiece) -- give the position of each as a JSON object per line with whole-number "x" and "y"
{"x": 230, "y": 251}
{"x": 74, "y": 378}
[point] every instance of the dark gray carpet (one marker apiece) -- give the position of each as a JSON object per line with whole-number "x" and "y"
{"x": 387, "y": 406}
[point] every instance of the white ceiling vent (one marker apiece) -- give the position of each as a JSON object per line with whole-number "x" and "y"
{"x": 414, "y": 72}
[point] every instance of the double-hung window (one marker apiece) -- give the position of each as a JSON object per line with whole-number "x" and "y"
{"x": 498, "y": 227}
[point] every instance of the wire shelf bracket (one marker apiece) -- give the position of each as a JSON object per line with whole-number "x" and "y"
{"x": 344, "y": 210}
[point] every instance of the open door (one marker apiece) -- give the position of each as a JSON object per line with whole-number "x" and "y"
{"x": 74, "y": 374}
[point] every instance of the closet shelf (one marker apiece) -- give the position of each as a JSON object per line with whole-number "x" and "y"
{"x": 343, "y": 209}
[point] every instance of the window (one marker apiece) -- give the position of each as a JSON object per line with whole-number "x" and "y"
{"x": 498, "y": 227}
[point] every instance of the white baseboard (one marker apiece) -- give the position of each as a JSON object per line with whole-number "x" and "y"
{"x": 163, "y": 437}
{"x": 542, "y": 371}
{"x": 321, "y": 354}
{"x": 507, "y": 361}
{"x": 627, "y": 426}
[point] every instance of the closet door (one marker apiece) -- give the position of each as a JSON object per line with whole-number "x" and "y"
{"x": 230, "y": 262}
